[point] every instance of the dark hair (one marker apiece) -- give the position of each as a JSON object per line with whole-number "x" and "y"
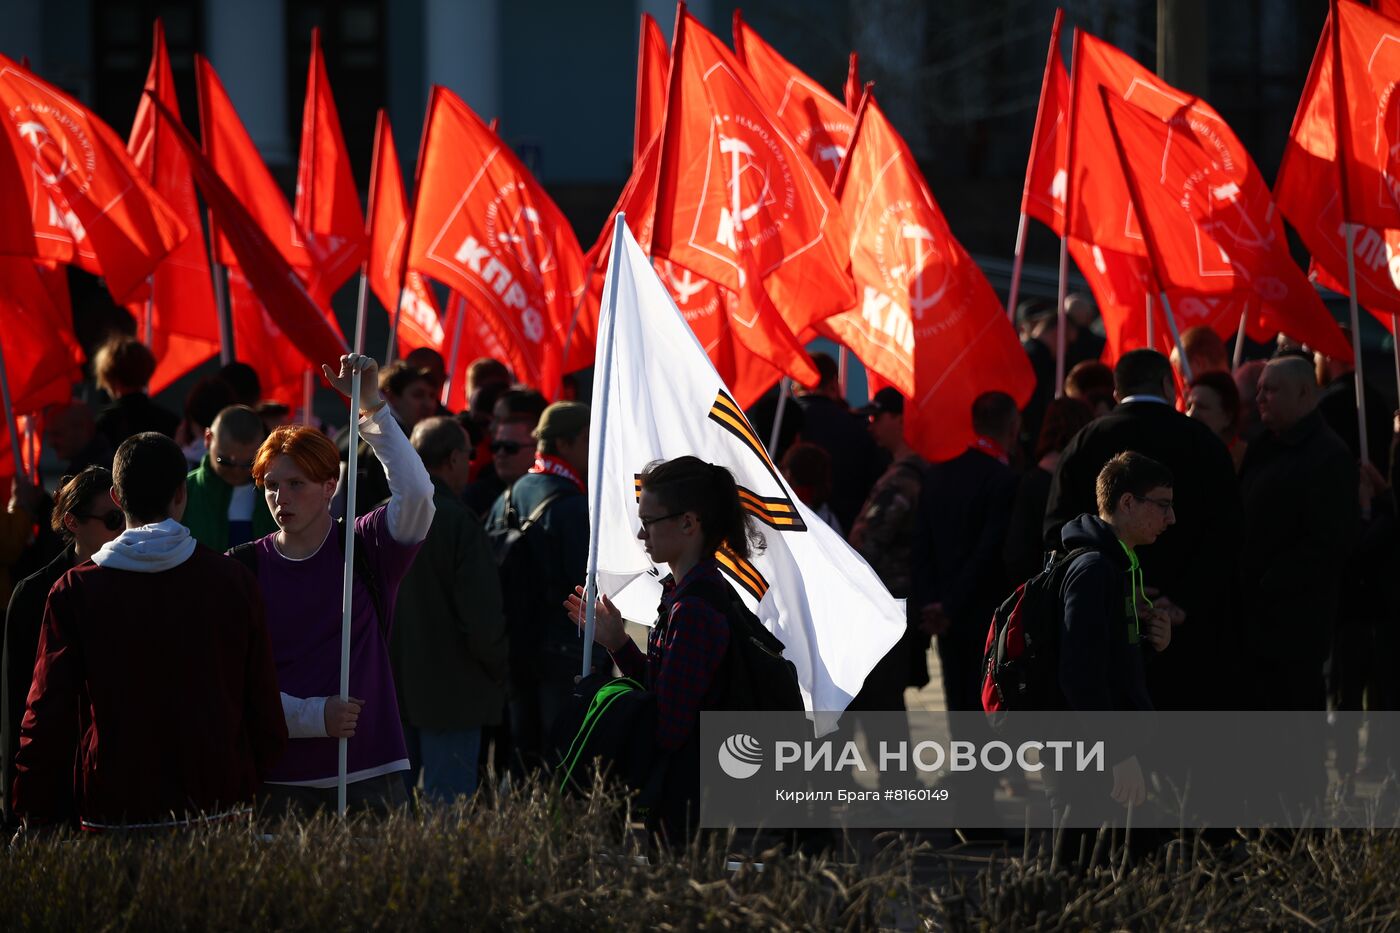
{"x": 1063, "y": 419}
{"x": 809, "y": 466}
{"x": 1128, "y": 473}
{"x": 521, "y": 402}
{"x": 436, "y": 439}
{"x": 689, "y": 484}
{"x": 485, "y": 371}
{"x": 75, "y": 492}
{"x": 147, "y": 470}
{"x": 240, "y": 424}
{"x": 123, "y": 362}
{"x": 1090, "y": 380}
{"x": 1223, "y": 385}
{"x": 243, "y": 379}
{"x": 429, "y": 359}
{"x": 993, "y": 413}
{"x": 828, "y": 369}
{"x": 1205, "y": 351}
{"x": 1141, "y": 371}
{"x": 206, "y": 398}
{"x": 395, "y": 378}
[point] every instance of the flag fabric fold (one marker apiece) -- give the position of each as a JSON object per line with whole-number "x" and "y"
{"x": 184, "y": 317}
{"x": 663, "y": 399}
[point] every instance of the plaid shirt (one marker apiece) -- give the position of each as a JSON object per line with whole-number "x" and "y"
{"x": 684, "y": 653}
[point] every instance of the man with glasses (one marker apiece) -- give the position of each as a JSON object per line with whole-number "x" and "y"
{"x": 225, "y": 509}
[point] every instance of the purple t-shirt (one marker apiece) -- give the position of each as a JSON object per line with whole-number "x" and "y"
{"x": 303, "y": 620}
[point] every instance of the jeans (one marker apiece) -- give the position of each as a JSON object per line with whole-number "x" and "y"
{"x": 443, "y": 764}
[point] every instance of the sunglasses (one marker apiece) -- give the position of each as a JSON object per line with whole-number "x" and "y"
{"x": 233, "y": 464}
{"x": 509, "y": 448}
{"x": 112, "y": 521}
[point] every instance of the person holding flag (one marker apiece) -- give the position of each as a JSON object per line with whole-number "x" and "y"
{"x": 300, "y": 567}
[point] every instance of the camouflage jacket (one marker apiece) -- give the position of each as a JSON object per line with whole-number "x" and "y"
{"x": 884, "y": 530}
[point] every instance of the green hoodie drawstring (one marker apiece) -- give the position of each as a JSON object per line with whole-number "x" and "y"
{"x": 1135, "y": 587}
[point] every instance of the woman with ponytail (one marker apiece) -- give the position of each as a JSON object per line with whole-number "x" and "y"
{"x": 689, "y": 510}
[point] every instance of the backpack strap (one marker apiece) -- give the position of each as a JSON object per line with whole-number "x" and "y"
{"x": 539, "y": 510}
{"x": 366, "y": 575}
{"x": 246, "y": 554}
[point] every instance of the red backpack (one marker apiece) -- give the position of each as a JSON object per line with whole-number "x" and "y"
{"x": 1021, "y": 662}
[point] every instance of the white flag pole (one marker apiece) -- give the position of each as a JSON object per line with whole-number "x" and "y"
{"x": 348, "y": 578}
{"x": 11, "y": 423}
{"x": 1356, "y": 342}
{"x": 1239, "y": 340}
{"x": 590, "y": 588}
{"x": 1176, "y": 337}
{"x": 360, "y": 303}
{"x": 1017, "y": 261}
{"x": 1060, "y": 295}
{"x": 459, "y": 319}
{"x": 784, "y": 392}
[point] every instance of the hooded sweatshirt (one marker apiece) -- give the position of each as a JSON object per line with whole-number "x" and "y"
{"x": 1101, "y": 639}
{"x": 152, "y": 548}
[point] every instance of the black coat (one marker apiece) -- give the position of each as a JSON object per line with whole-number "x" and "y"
{"x": 959, "y": 531}
{"x": 22, "y": 622}
{"x": 134, "y": 414}
{"x": 1301, "y": 519}
{"x": 1194, "y": 562}
{"x": 856, "y": 463}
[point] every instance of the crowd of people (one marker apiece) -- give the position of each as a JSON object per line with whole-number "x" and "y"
{"x": 172, "y": 642}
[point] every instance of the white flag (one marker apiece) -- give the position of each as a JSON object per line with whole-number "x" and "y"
{"x": 657, "y": 397}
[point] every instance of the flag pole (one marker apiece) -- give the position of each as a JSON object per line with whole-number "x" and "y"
{"x": 590, "y": 592}
{"x": 455, "y": 351}
{"x": 348, "y": 576}
{"x": 1151, "y": 343}
{"x": 11, "y": 423}
{"x": 842, "y": 368}
{"x": 363, "y": 297}
{"x": 227, "y": 351}
{"x": 784, "y": 392}
{"x": 1239, "y": 342}
{"x": 1363, "y": 447}
{"x": 394, "y": 329}
{"x": 1176, "y": 336}
{"x": 308, "y": 392}
{"x": 1060, "y": 316}
{"x": 1017, "y": 261}
{"x": 360, "y": 302}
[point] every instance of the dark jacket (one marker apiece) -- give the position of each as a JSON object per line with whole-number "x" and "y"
{"x": 134, "y": 414}
{"x": 1194, "y": 563}
{"x": 165, "y": 686}
{"x": 22, "y": 623}
{"x": 1337, "y": 404}
{"x": 562, "y": 563}
{"x": 1024, "y": 552}
{"x": 856, "y": 463}
{"x": 449, "y": 646}
{"x": 206, "y": 509}
{"x": 1301, "y": 516}
{"x": 963, "y": 513}
{"x": 1101, "y": 641}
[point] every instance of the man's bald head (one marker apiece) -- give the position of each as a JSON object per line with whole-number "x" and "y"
{"x": 443, "y": 446}
{"x": 1287, "y": 393}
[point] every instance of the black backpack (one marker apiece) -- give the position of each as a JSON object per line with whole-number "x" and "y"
{"x": 1021, "y": 660}
{"x": 528, "y": 604}
{"x": 247, "y": 555}
{"x": 756, "y": 675}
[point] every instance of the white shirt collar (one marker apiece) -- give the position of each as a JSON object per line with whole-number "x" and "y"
{"x": 1144, "y": 397}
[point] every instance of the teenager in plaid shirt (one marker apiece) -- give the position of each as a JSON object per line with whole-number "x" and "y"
{"x": 688, "y": 510}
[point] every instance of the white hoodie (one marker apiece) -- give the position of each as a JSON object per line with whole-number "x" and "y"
{"x": 148, "y": 549}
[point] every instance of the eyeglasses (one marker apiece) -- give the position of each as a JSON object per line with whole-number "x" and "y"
{"x": 112, "y": 521}
{"x": 648, "y": 522}
{"x": 233, "y": 464}
{"x": 509, "y": 448}
{"x": 1166, "y": 505}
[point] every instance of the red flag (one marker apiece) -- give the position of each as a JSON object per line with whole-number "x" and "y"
{"x": 482, "y": 335}
{"x": 485, "y": 227}
{"x": 1308, "y": 190}
{"x": 1043, "y": 195}
{"x": 420, "y": 321}
{"x": 852, "y": 88}
{"x": 741, "y": 205}
{"x": 184, "y": 318}
{"x": 1367, "y": 46}
{"x": 819, "y": 123}
{"x": 928, "y": 320}
{"x": 40, "y": 349}
{"x": 1176, "y": 186}
{"x": 230, "y": 151}
{"x": 278, "y": 286}
{"x": 327, "y": 203}
{"x": 1243, "y": 219}
{"x": 79, "y": 199}
{"x": 652, "y": 60}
